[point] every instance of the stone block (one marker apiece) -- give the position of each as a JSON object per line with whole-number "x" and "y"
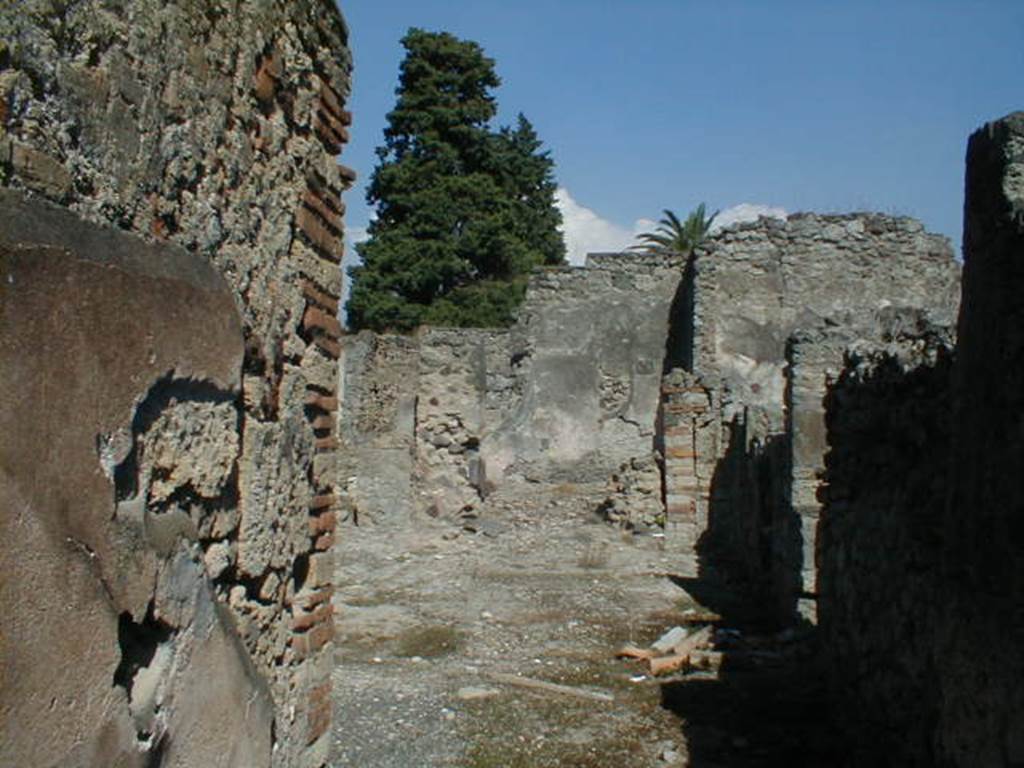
{"x": 327, "y": 301}
{"x": 323, "y": 402}
{"x": 303, "y": 621}
{"x": 321, "y": 570}
{"x": 37, "y": 170}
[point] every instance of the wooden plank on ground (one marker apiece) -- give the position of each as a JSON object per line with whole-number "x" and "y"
{"x": 544, "y": 686}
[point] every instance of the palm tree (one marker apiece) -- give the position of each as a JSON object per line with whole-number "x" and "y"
{"x": 675, "y": 237}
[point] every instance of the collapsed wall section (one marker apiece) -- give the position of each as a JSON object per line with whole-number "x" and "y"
{"x": 215, "y": 126}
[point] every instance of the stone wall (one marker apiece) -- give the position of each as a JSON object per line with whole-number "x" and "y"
{"x": 982, "y": 718}
{"x": 452, "y": 417}
{"x": 629, "y": 368}
{"x": 379, "y": 386}
{"x": 921, "y": 527}
{"x": 119, "y": 408}
{"x": 570, "y": 393}
{"x": 753, "y": 288}
{"x": 215, "y": 126}
{"x": 879, "y": 540}
{"x": 589, "y": 346}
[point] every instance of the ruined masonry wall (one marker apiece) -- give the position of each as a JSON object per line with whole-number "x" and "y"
{"x": 751, "y": 288}
{"x": 880, "y": 601}
{"x": 982, "y": 718}
{"x": 378, "y": 390}
{"x": 687, "y": 421}
{"x": 588, "y": 350}
{"x": 568, "y": 394}
{"x": 921, "y": 529}
{"x": 215, "y": 126}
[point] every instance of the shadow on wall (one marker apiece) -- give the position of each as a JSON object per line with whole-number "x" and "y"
{"x": 750, "y": 535}
{"x": 679, "y": 340}
{"x": 753, "y": 538}
{"x": 882, "y": 600}
{"x": 790, "y": 694}
{"x": 767, "y": 703}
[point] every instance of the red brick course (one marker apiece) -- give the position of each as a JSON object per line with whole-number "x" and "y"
{"x": 328, "y": 243}
{"x": 323, "y": 402}
{"x": 324, "y": 523}
{"x": 315, "y": 319}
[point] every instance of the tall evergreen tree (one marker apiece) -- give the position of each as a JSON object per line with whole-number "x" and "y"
{"x": 525, "y": 172}
{"x": 463, "y": 212}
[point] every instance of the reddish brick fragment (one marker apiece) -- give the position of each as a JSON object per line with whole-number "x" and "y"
{"x": 324, "y": 501}
{"x": 316, "y": 319}
{"x": 324, "y": 523}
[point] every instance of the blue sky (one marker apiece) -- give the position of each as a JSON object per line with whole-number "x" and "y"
{"x": 827, "y": 106}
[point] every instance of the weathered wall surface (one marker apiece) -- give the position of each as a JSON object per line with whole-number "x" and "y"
{"x": 215, "y": 126}
{"x": 379, "y": 385}
{"x": 921, "y": 528}
{"x": 452, "y": 418}
{"x": 589, "y": 346}
{"x": 880, "y": 541}
{"x": 752, "y": 288}
{"x": 569, "y": 393}
{"x": 756, "y": 283}
{"x": 119, "y": 500}
{"x": 982, "y": 718}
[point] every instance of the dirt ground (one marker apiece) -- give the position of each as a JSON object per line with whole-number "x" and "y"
{"x": 448, "y": 629}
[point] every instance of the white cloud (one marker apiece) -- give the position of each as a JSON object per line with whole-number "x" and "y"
{"x": 356, "y": 234}
{"x": 586, "y": 232}
{"x": 746, "y": 212}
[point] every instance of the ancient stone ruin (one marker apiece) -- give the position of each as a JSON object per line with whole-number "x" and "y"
{"x": 696, "y": 390}
{"x": 812, "y": 409}
{"x": 170, "y": 244}
{"x": 919, "y": 581}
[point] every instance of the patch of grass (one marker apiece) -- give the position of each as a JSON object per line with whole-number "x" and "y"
{"x": 568, "y": 743}
{"x": 427, "y": 642}
{"x": 566, "y": 489}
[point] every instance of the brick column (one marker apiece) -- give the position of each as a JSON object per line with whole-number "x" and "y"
{"x": 685, "y": 420}
{"x": 319, "y": 219}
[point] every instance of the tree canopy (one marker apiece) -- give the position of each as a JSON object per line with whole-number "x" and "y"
{"x": 463, "y": 212}
{"x": 675, "y": 237}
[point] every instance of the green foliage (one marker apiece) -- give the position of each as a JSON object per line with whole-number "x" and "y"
{"x": 675, "y": 237}
{"x": 463, "y": 212}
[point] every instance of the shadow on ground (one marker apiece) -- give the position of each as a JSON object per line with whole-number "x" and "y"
{"x": 768, "y": 704}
